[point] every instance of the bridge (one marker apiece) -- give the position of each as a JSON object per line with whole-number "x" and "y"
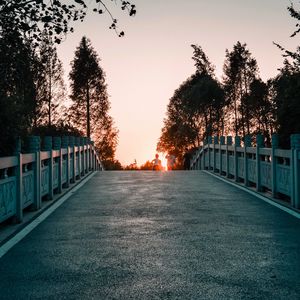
{"x": 199, "y": 234}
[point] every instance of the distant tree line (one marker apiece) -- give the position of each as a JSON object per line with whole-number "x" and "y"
{"x": 239, "y": 104}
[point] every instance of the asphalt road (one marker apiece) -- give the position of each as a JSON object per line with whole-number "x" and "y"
{"x": 157, "y": 235}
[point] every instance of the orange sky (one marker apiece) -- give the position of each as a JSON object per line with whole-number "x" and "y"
{"x": 145, "y": 67}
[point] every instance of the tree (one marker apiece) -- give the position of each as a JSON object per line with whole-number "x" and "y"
{"x": 195, "y": 111}
{"x": 202, "y": 63}
{"x": 261, "y": 109}
{"x": 106, "y": 138}
{"x": 32, "y": 17}
{"x": 147, "y": 166}
{"x": 295, "y": 55}
{"x": 17, "y": 89}
{"x": 286, "y": 100}
{"x": 295, "y": 13}
{"x": 90, "y": 106}
{"x": 240, "y": 69}
{"x": 50, "y": 83}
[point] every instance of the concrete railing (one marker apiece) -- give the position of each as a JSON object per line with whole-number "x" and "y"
{"x": 266, "y": 169}
{"x": 28, "y": 178}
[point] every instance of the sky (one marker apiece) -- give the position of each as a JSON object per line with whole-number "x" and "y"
{"x": 144, "y": 68}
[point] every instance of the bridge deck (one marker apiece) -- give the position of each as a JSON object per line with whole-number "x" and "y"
{"x": 175, "y": 235}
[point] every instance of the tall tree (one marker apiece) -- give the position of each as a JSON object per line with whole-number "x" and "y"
{"x": 286, "y": 99}
{"x": 202, "y": 63}
{"x": 261, "y": 108}
{"x": 50, "y": 83}
{"x": 195, "y": 110}
{"x": 91, "y": 105}
{"x": 17, "y": 89}
{"x": 240, "y": 69}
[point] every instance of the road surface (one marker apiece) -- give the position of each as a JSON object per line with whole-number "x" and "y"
{"x": 157, "y": 235}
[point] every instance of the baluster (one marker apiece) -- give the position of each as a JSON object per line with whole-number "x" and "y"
{"x": 47, "y": 146}
{"x": 237, "y": 143}
{"x": 57, "y": 147}
{"x": 247, "y": 143}
{"x": 259, "y": 144}
{"x": 34, "y": 146}
{"x": 295, "y": 167}
{"x": 275, "y": 144}
{"x": 228, "y": 143}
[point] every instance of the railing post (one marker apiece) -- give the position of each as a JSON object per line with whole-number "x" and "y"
{"x": 86, "y": 145}
{"x": 89, "y": 155}
{"x": 85, "y": 155}
{"x": 247, "y": 143}
{"x": 19, "y": 182}
{"x": 295, "y": 164}
{"x": 82, "y": 155}
{"x": 65, "y": 145}
{"x": 93, "y": 156}
{"x": 77, "y": 141}
{"x": 275, "y": 144}
{"x": 259, "y": 144}
{"x": 203, "y": 157}
{"x": 199, "y": 159}
{"x": 57, "y": 147}
{"x": 73, "y": 163}
{"x": 222, "y": 142}
{"x": 209, "y": 140}
{"x": 216, "y": 141}
{"x": 47, "y": 146}
{"x": 237, "y": 143}
{"x": 34, "y": 146}
{"x": 228, "y": 143}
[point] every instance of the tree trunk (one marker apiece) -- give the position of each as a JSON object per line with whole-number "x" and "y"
{"x": 88, "y": 125}
{"x": 49, "y": 99}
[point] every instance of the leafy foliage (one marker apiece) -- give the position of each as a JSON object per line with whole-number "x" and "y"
{"x": 17, "y": 89}
{"x": 50, "y": 84}
{"x": 240, "y": 70}
{"x": 287, "y": 102}
{"x": 32, "y": 17}
{"x": 195, "y": 111}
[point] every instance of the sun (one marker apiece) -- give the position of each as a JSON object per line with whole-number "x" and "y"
{"x": 163, "y": 159}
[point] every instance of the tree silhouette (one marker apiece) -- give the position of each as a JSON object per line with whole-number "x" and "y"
{"x": 240, "y": 69}
{"x": 17, "y": 89}
{"x": 286, "y": 99}
{"x": 295, "y": 55}
{"x": 90, "y": 106}
{"x": 195, "y": 111}
{"x": 50, "y": 83}
{"x": 56, "y": 16}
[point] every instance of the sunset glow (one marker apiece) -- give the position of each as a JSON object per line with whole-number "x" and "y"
{"x": 145, "y": 67}
{"x": 163, "y": 161}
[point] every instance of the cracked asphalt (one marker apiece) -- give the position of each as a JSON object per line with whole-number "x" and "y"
{"x": 157, "y": 235}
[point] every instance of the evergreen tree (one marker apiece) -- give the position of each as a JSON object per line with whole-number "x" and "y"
{"x": 90, "y": 106}
{"x": 50, "y": 84}
{"x": 202, "y": 63}
{"x": 240, "y": 69}
{"x": 261, "y": 108}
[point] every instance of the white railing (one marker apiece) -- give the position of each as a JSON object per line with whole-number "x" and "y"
{"x": 266, "y": 169}
{"x": 27, "y": 179}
